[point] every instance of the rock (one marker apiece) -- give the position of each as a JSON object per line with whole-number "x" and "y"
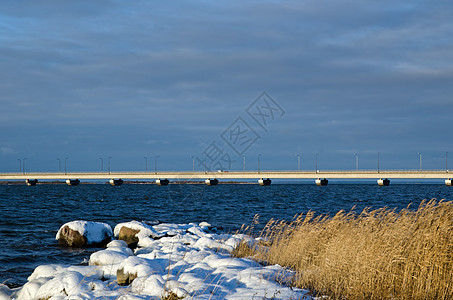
{"x": 71, "y": 238}
{"x": 138, "y": 267}
{"x": 135, "y": 233}
{"x": 124, "y": 278}
{"x": 84, "y": 233}
{"x": 129, "y": 235}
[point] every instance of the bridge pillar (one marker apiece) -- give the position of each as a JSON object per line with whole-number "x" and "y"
{"x": 264, "y": 181}
{"x": 211, "y": 181}
{"x": 448, "y": 182}
{"x": 383, "y": 182}
{"x": 31, "y": 182}
{"x": 116, "y": 182}
{"x": 162, "y": 181}
{"x": 73, "y": 182}
{"x": 320, "y": 182}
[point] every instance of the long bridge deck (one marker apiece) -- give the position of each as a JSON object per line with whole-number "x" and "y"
{"x": 390, "y": 174}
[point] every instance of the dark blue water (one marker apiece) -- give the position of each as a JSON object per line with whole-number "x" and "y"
{"x": 31, "y": 216}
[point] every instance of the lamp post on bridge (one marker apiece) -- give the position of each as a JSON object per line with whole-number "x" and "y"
{"x": 59, "y": 165}
{"x": 155, "y": 163}
{"x": 205, "y": 164}
{"x": 23, "y": 165}
{"x": 298, "y": 162}
{"x": 146, "y": 163}
{"x": 316, "y": 162}
{"x": 446, "y": 162}
{"x": 259, "y": 155}
{"x": 109, "y": 163}
{"x": 65, "y": 159}
{"x": 243, "y": 156}
{"x": 378, "y": 154}
{"x": 20, "y": 165}
{"x": 102, "y": 163}
{"x": 420, "y": 159}
{"x": 356, "y": 155}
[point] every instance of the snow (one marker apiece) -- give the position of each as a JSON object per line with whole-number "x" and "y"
{"x": 117, "y": 243}
{"x": 119, "y": 246}
{"x": 58, "y": 281}
{"x": 107, "y": 258}
{"x": 185, "y": 259}
{"x": 95, "y": 232}
{"x": 5, "y": 292}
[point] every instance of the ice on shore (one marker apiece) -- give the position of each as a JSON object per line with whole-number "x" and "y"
{"x": 187, "y": 260}
{"x": 5, "y": 292}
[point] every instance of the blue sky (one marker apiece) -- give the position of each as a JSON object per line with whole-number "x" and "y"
{"x": 128, "y": 79}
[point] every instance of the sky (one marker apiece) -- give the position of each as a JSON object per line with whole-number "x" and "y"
{"x": 183, "y": 82}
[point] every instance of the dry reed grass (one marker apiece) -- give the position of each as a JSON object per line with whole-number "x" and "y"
{"x": 377, "y": 254}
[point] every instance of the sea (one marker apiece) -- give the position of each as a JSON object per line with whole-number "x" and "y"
{"x": 31, "y": 216}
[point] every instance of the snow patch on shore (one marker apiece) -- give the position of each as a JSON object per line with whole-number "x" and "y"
{"x": 187, "y": 260}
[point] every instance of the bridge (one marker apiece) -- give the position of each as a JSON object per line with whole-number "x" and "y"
{"x": 211, "y": 178}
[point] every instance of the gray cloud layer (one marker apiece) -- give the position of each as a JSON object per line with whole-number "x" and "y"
{"x": 111, "y": 78}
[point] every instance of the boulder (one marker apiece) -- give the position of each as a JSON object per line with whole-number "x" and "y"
{"x": 71, "y": 238}
{"x": 135, "y": 233}
{"x": 124, "y": 278}
{"x": 129, "y": 235}
{"x": 139, "y": 267}
{"x": 84, "y": 233}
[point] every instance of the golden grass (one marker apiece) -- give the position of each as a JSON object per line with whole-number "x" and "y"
{"x": 377, "y": 254}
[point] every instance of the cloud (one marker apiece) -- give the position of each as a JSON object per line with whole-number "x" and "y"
{"x": 7, "y": 150}
{"x": 112, "y": 74}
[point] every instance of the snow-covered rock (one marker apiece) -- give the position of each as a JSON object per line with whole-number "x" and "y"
{"x": 57, "y": 281}
{"x": 116, "y": 243}
{"x": 84, "y": 233}
{"x": 134, "y": 231}
{"x": 134, "y": 267}
{"x": 119, "y": 246}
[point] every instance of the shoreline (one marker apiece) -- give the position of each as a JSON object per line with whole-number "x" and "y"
{"x": 170, "y": 261}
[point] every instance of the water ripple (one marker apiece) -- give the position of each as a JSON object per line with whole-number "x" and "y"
{"x": 31, "y": 216}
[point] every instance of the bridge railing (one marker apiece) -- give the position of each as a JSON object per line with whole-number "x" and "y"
{"x": 319, "y": 171}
